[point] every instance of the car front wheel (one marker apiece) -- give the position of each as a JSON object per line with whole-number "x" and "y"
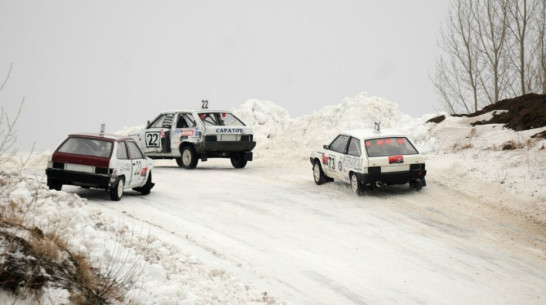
{"x": 116, "y": 191}
{"x": 356, "y": 186}
{"x": 146, "y": 188}
{"x": 188, "y": 158}
{"x": 318, "y": 173}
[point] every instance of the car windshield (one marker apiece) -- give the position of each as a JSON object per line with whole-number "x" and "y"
{"x": 87, "y": 147}
{"x": 389, "y": 147}
{"x": 220, "y": 119}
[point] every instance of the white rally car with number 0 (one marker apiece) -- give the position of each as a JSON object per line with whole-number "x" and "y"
{"x": 367, "y": 159}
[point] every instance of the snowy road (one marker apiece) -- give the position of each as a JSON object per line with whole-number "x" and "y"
{"x": 273, "y": 228}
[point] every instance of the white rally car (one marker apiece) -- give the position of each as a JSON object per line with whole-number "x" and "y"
{"x": 367, "y": 158}
{"x": 190, "y": 135}
{"x": 109, "y": 162}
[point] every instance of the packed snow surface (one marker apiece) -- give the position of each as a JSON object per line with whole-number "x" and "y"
{"x": 267, "y": 234}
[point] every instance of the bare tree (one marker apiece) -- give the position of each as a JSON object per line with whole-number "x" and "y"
{"x": 8, "y": 132}
{"x": 492, "y": 19}
{"x": 524, "y": 30}
{"x": 540, "y": 54}
{"x": 456, "y": 78}
{"x": 493, "y": 49}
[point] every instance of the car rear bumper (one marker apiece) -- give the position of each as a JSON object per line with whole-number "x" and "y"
{"x": 375, "y": 175}
{"x": 226, "y": 146}
{"x": 79, "y": 178}
{"x": 225, "y": 149}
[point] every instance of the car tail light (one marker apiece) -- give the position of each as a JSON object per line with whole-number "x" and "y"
{"x": 417, "y": 166}
{"x": 246, "y": 138}
{"x": 101, "y": 170}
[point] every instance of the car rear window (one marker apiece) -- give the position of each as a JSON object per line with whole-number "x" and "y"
{"x": 87, "y": 147}
{"x": 220, "y": 119}
{"x": 389, "y": 147}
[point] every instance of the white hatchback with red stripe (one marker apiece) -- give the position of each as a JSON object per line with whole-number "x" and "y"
{"x": 110, "y": 162}
{"x": 366, "y": 158}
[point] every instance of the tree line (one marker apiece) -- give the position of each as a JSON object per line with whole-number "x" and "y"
{"x": 493, "y": 49}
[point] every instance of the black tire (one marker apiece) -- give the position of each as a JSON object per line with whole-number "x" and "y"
{"x": 116, "y": 191}
{"x": 356, "y": 185}
{"x": 238, "y": 162}
{"x": 318, "y": 173}
{"x": 416, "y": 185}
{"x": 179, "y": 161}
{"x": 146, "y": 188}
{"x": 188, "y": 157}
{"x": 54, "y": 184}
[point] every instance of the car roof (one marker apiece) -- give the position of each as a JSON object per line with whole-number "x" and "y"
{"x": 372, "y": 134}
{"x": 93, "y": 135}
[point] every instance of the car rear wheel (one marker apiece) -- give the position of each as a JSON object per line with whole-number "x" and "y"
{"x": 116, "y": 191}
{"x": 318, "y": 173}
{"x": 54, "y": 184}
{"x": 188, "y": 158}
{"x": 356, "y": 186}
{"x": 238, "y": 162}
{"x": 416, "y": 184}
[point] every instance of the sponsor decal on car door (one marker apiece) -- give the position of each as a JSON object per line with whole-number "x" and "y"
{"x": 139, "y": 166}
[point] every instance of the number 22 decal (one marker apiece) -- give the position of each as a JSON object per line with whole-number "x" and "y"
{"x": 152, "y": 139}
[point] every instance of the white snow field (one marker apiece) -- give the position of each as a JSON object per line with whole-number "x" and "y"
{"x": 267, "y": 234}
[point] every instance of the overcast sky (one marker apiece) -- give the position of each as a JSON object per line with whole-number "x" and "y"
{"x": 82, "y": 63}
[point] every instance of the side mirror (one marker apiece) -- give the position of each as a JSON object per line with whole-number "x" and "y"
{"x": 326, "y": 147}
{"x": 147, "y": 124}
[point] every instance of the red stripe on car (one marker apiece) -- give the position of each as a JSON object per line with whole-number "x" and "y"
{"x": 80, "y": 159}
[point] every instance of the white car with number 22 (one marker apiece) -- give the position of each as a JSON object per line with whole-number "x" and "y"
{"x": 367, "y": 159}
{"x": 190, "y": 135}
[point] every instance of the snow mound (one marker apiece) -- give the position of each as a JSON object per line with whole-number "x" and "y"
{"x": 277, "y": 134}
{"x": 267, "y": 119}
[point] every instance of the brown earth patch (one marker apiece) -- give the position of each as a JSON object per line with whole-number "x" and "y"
{"x": 519, "y": 113}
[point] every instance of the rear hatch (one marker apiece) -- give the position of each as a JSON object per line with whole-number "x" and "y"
{"x": 225, "y": 127}
{"x": 392, "y": 154}
{"x": 88, "y": 155}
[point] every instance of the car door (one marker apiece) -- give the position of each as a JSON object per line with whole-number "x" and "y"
{"x": 124, "y": 165}
{"x": 185, "y": 129}
{"x": 139, "y": 167}
{"x": 336, "y": 150}
{"x": 351, "y": 159}
{"x": 157, "y": 135}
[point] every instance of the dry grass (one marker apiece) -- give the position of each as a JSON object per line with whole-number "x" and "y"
{"x": 32, "y": 258}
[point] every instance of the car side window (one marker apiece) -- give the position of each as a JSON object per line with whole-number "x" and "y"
{"x": 340, "y": 144}
{"x": 187, "y": 118}
{"x": 354, "y": 147}
{"x": 122, "y": 151}
{"x": 181, "y": 123}
{"x": 134, "y": 151}
{"x": 163, "y": 121}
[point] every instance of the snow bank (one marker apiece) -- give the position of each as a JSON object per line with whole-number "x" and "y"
{"x": 154, "y": 271}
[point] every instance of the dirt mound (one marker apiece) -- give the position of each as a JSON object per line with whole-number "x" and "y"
{"x": 523, "y": 113}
